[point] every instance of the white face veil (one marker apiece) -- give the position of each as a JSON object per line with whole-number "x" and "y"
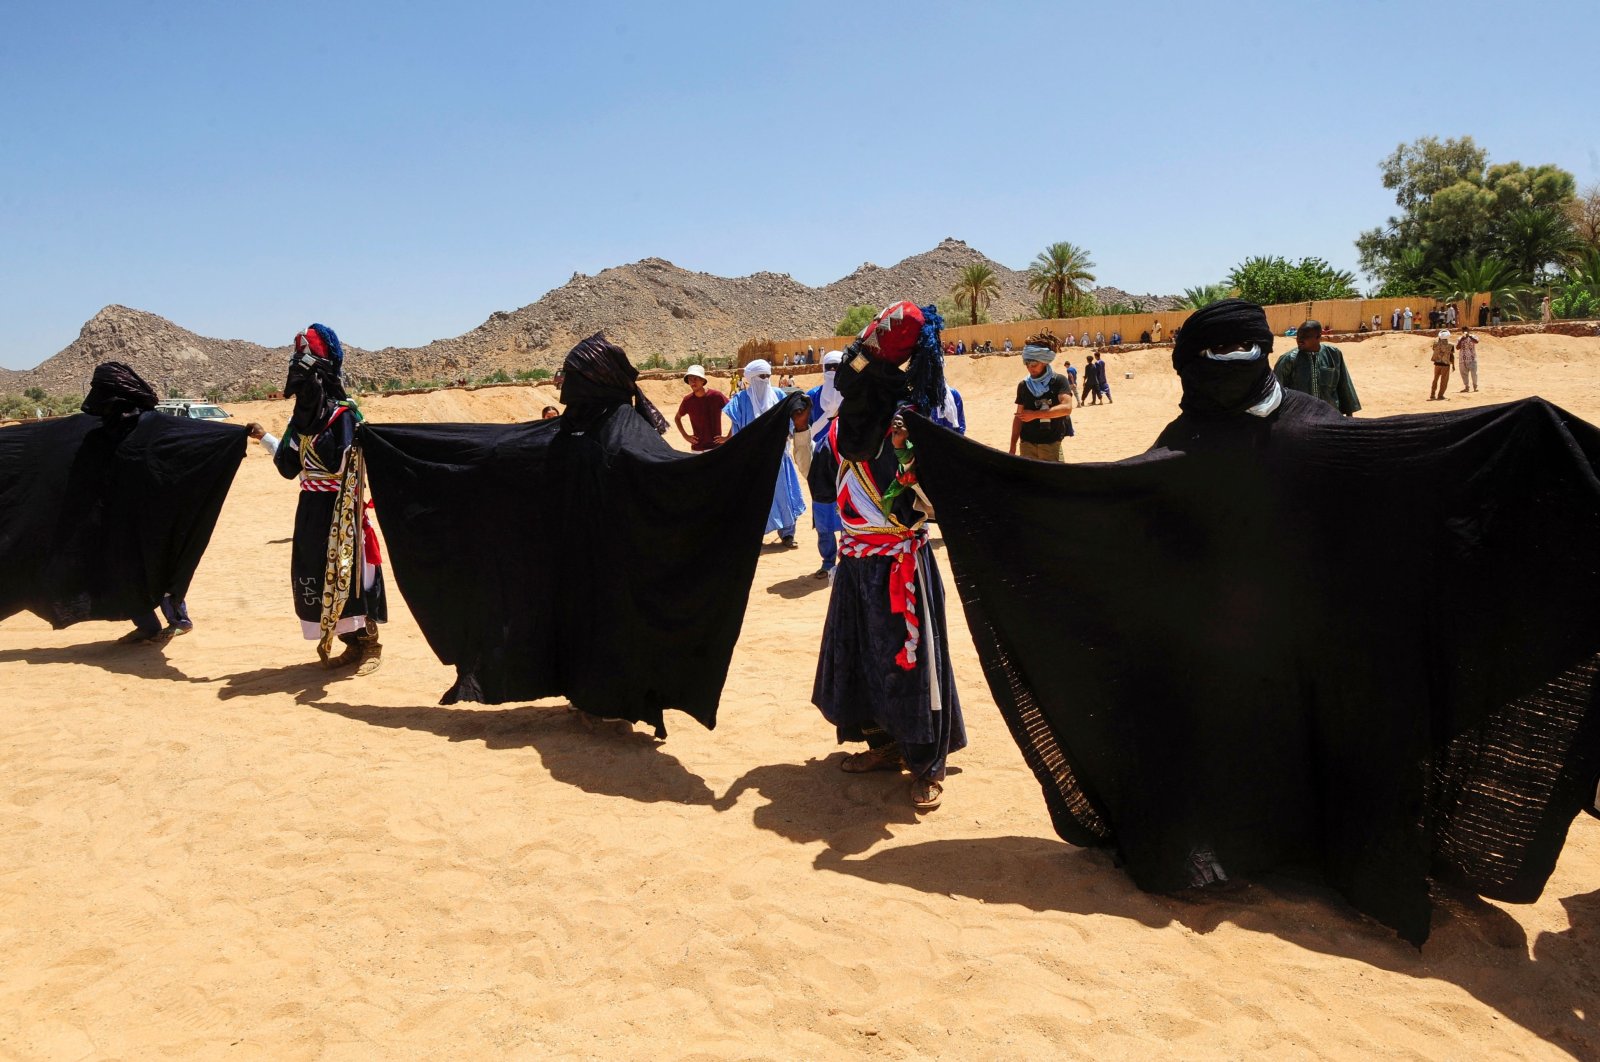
{"x": 830, "y": 397}
{"x": 762, "y": 393}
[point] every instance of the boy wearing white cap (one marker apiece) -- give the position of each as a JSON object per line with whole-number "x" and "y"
{"x": 703, "y": 407}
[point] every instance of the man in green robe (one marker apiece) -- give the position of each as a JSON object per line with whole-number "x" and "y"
{"x": 1317, "y": 369}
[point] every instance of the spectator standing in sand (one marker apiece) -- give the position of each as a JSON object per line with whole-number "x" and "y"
{"x": 1317, "y": 369}
{"x": 758, "y": 396}
{"x": 820, "y": 475}
{"x": 1394, "y": 320}
{"x": 1451, "y": 315}
{"x": 1467, "y": 360}
{"x": 1155, "y": 333}
{"x": 1072, "y": 380}
{"x": 1544, "y": 310}
{"x": 1375, "y": 327}
{"x": 1483, "y": 314}
{"x": 1090, "y": 392}
{"x": 1444, "y": 356}
{"x": 1407, "y": 317}
{"x": 1044, "y": 407}
{"x": 703, "y": 407}
{"x": 1102, "y": 378}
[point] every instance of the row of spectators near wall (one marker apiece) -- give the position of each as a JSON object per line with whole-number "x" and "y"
{"x": 954, "y": 348}
{"x": 1405, "y": 320}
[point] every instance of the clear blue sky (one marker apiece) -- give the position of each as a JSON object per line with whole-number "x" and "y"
{"x": 400, "y": 170}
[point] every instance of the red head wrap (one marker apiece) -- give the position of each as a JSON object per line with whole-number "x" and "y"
{"x": 892, "y": 335}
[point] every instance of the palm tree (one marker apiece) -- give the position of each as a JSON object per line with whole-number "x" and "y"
{"x": 1204, "y": 295}
{"x": 1469, "y": 277}
{"x": 1534, "y": 237}
{"x": 1059, "y": 273}
{"x": 976, "y": 288}
{"x": 1585, "y": 270}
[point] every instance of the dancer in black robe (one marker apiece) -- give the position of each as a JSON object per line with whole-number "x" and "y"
{"x": 1363, "y": 650}
{"x": 105, "y": 515}
{"x": 884, "y": 673}
{"x": 579, "y": 556}
{"x": 335, "y": 568}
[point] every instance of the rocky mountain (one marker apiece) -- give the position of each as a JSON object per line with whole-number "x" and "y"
{"x": 649, "y": 307}
{"x": 174, "y": 360}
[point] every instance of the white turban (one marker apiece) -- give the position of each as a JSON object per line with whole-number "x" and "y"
{"x": 763, "y": 395}
{"x": 830, "y": 397}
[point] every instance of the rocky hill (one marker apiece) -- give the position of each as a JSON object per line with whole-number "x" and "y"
{"x": 649, "y": 307}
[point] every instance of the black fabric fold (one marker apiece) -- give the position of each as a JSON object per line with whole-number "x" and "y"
{"x": 1362, "y": 649}
{"x": 600, "y": 565}
{"x": 98, "y": 521}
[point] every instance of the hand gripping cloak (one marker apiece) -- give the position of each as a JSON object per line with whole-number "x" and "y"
{"x": 97, "y": 524}
{"x": 1365, "y": 649}
{"x": 600, "y": 565}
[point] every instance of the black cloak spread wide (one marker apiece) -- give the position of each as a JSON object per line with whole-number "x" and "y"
{"x": 96, "y": 527}
{"x": 1365, "y": 649}
{"x": 600, "y": 565}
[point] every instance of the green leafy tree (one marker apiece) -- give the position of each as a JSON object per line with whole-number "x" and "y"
{"x": 1120, "y": 306}
{"x": 1058, "y": 274}
{"x": 1275, "y": 279}
{"x": 1578, "y": 295}
{"x": 1575, "y": 302}
{"x": 951, "y": 312}
{"x": 855, "y": 319}
{"x": 1452, "y": 204}
{"x": 1205, "y": 295}
{"x": 975, "y": 289}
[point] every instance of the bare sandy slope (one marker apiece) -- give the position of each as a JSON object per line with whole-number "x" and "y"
{"x": 221, "y": 851}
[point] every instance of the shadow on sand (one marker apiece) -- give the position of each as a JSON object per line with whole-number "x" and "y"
{"x": 609, "y": 759}
{"x": 1549, "y": 989}
{"x": 850, "y": 820}
{"x": 137, "y": 661}
{"x": 307, "y": 682}
{"x": 798, "y": 587}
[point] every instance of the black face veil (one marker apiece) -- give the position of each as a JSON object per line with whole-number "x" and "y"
{"x": 1217, "y": 385}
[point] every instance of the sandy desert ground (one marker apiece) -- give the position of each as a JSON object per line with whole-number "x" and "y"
{"x": 220, "y": 850}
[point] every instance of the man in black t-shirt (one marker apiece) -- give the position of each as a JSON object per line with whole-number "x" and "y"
{"x": 1044, "y": 407}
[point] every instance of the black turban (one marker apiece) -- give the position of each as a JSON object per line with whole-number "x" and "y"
{"x": 597, "y": 377}
{"x": 117, "y": 395}
{"x": 1224, "y": 322}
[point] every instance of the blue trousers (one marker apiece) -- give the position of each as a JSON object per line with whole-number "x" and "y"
{"x": 828, "y": 546}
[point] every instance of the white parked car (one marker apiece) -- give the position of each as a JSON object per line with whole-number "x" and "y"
{"x": 186, "y": 407}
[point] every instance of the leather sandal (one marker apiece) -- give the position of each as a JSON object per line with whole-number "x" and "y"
{"x": 926, "y": 794}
